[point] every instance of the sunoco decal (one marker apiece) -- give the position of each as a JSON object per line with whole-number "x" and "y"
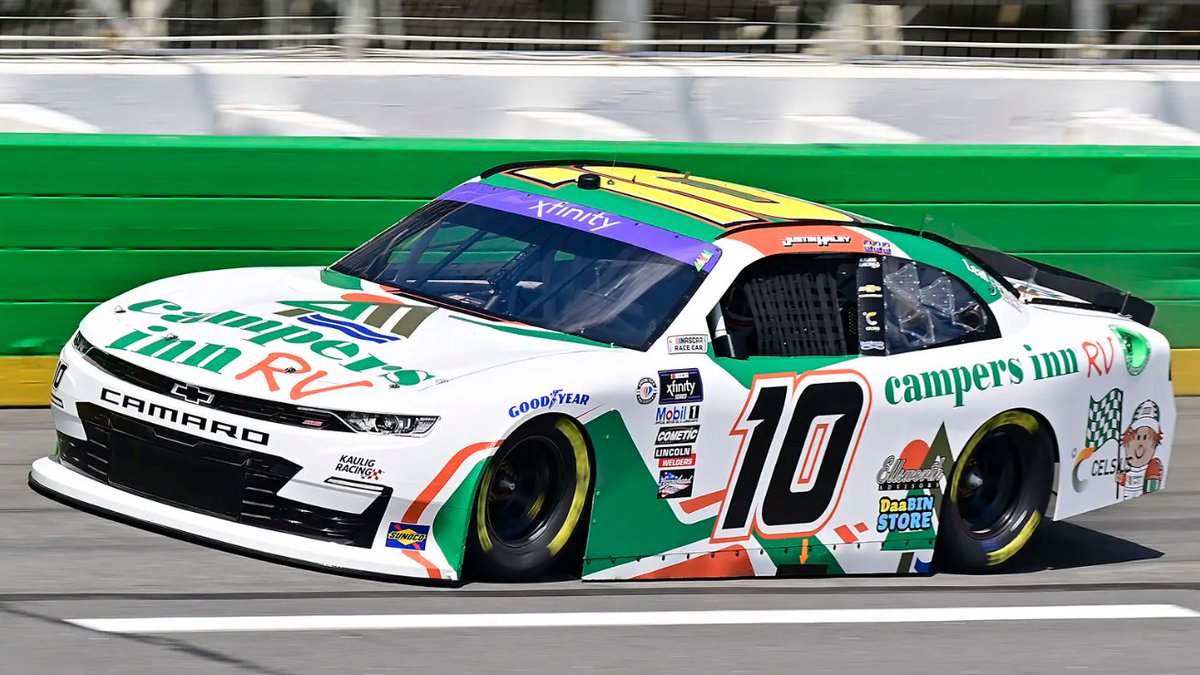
{"x": 407, "y": 536}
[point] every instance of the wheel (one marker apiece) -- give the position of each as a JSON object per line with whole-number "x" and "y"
{"x": 531, "y": 500}
{"x": 997, "y": 494}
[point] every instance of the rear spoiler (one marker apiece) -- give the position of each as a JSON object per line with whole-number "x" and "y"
{"x": 1039, "y": 283}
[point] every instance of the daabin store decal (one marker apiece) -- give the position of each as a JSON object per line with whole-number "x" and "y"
{"x": 791, "y": 487}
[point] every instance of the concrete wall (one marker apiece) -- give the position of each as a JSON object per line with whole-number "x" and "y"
{"x": 609, "y": 98}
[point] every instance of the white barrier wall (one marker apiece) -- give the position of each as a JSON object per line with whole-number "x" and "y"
{"x": 610, "y": 98}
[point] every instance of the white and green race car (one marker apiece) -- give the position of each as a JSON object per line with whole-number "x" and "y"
{"x": 624, "y": 371}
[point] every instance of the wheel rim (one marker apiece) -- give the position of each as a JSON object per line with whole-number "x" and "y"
{"x": 524, "y": 487}
{"x": 988, "y": 490}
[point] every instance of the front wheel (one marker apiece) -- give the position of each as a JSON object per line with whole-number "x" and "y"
{"x": 531, "y": 500}
{"x": 997, "y": 494}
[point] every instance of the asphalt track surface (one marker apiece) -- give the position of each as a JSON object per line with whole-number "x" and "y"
{"x": 58, "y": 565}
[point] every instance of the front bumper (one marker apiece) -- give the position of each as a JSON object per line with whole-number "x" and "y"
{"x": 283, "y": 499}
{"x": 49, "y": 476}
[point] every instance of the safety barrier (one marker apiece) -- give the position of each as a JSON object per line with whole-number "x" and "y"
{"x": 83, "y": 218}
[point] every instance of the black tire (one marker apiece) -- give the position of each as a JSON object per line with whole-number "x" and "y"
{"x": 532, "y": 502}
{"x": 997, "y": 493}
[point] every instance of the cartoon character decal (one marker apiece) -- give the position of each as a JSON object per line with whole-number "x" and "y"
{"x": 1141, "y": 472}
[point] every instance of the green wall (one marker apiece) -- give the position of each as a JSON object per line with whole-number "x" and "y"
{"x": 83, "y": 218}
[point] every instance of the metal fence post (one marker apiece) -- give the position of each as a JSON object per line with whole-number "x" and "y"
{"x": 355, "y": 22}
{"x": 626, "y": 20}
{"x": 1090, "y": 22}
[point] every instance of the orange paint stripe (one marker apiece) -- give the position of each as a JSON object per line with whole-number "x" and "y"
{"x": 845, "y": 533}
{"x": 413, "y": 514}
{"x": 696, "y": 503}
{"x": 430, "y": 568}
{"x": 730, "y": 562}
{"x": 861, "y": 527}
{"x": 371, "y": 298}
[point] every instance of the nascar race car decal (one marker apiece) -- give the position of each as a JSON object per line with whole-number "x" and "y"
{"x": 621, "y": 371}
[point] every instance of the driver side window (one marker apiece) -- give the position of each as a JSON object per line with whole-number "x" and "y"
{"x": 790, "y": 305}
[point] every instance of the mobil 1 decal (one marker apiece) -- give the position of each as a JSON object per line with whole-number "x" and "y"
{"x": 799, "y": 436}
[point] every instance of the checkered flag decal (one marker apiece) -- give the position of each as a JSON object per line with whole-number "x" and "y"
{"x": 1104, "y": 419}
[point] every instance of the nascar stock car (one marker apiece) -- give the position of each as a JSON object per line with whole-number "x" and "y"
{"x": 621, "y": 370}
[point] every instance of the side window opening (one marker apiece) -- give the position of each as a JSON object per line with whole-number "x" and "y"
{"x": 928, "y": 307}
{"x": 790, "y": 305}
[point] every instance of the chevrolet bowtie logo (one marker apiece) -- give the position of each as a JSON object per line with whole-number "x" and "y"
{"x": 192, "y": 394}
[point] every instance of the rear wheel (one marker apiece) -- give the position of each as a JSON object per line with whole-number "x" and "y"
{"x": 997, "y": 494}
{"x": 531, "y": 501}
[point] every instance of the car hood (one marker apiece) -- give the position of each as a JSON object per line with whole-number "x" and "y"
{"x": 308, "y": 336}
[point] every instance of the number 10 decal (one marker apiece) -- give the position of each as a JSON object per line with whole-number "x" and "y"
{"x": 799, "y": 435}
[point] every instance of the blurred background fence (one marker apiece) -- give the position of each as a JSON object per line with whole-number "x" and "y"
{"x": 976, "y": 29}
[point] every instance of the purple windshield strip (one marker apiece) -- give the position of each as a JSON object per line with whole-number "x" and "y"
{"x": 702, "y": 255}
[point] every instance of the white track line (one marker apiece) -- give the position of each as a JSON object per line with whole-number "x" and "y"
{"x": 200, "y": 624}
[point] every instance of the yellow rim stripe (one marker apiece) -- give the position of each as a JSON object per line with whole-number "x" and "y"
{"x": 583, "y": 477}
{"x": 1009, "y": 550}
{"x": 485, "y": 541}
{"x": 1023, "y": 420}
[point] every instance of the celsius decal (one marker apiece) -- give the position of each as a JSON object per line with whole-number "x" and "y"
{"x": 646, "y": 391}
{"x": 362, "y": 467}
{"x": 1135, "y": 347}
{"x": 1103, "y": 426}
{"x": 680, "y": 386}
{"x": 670, "y": 435}
{"x": 871, "y": 321}
{"x": 818, "y": 239}
{"x": 1142, "y": 471}
{"x": 905, "y": 515}
{"x": 675, "y": 414}
{"x": 687, "y": 344}
{"x": 548, "y": 402}
{"x": 896, "y": 475}
{"x": 407, "y": 536}
{"x": 184, "y": 419}
{"x": 675, "y": 484}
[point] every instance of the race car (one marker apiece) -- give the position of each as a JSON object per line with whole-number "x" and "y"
{"x": 619, "y": 371}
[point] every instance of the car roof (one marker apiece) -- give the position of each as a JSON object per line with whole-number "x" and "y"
{"x": 675, "y": 200}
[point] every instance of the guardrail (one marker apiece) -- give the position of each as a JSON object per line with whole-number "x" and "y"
{"x": 88, "y": 217}
{"x": 949, "y": 29}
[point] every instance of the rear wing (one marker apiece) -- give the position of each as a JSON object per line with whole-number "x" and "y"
{"x": 1039, "y": 283}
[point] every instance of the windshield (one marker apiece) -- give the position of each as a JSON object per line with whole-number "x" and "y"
{"x": 515, "y": 256}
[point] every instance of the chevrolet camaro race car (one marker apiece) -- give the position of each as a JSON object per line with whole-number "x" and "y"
{"x": 623, "y": 371}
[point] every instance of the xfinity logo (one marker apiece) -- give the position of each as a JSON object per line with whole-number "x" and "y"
{"x": 192, "y": 394}
{"x": 680, "y": 386}
{"x": 676, "y": 435}
{"x": 596, "y": 220}
{"x": 183, "y": 419}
